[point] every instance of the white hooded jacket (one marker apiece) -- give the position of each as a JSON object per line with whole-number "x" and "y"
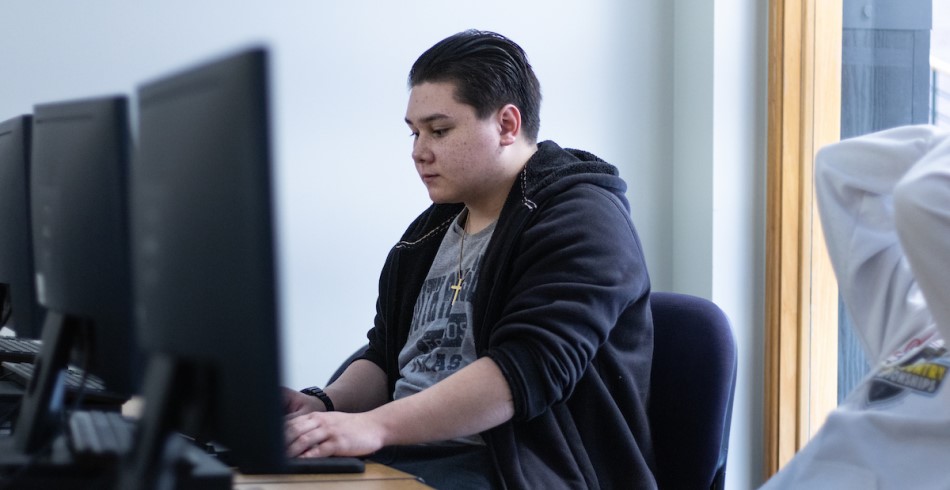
{"x": 884, "y": 200}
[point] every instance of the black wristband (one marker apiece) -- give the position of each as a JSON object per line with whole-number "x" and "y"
{"x": 317, "y": 392}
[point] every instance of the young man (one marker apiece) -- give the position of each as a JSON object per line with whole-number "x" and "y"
{"x": 885, "y": 205}
{"x": 513, "y": 338}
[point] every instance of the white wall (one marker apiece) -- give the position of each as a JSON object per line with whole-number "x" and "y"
{"x": 718, "y": 235}
{"x": 671, "y": 92}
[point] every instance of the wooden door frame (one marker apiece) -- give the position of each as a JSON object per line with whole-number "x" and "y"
{"x": 804, "y": 113}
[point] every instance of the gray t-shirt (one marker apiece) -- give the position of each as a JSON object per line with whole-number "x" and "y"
{"x": 440, "y": 340}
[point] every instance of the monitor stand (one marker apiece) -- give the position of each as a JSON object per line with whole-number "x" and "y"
{"x": 37, "y": 454}
{"x": 11, "y": 393}
{"x": 160, "y": 456}
{"x": 42, "y": 403}
{"x": 192, "y": 469}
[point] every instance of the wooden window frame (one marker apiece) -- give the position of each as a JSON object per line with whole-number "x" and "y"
{"x": 804, "y": 114}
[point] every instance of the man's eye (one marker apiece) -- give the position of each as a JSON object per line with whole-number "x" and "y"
{"x": 438, "y": 133}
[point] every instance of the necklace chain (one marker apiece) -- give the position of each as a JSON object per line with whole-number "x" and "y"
{"x": 457, "y": 287}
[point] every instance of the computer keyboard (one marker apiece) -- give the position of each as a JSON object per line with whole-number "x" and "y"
{"x": 19, "y": 350}
{"x": 24, "y": 372}
{"x": 332, "y": 464}
{"x": 294, "y": 466}
{"x": 99, "y": 436}
{"x": 95, "y": 391}
{"x": 290, "y": 466}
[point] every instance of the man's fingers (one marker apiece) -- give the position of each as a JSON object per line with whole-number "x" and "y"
{"x": 301, "y": 433}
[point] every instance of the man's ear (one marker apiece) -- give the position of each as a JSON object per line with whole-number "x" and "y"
{"x": 509, "y": 123}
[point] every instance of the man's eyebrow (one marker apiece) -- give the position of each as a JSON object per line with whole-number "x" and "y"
{"x": 428, "y": 119}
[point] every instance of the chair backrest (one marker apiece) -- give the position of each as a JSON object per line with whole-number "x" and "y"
{"x": 691, "y": 390}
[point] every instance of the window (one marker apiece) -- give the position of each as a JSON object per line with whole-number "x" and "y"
{"x": 880, "y": 78}
{"x": 886, "y": 82}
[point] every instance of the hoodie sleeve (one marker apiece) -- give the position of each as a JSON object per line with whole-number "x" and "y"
{"x": 577, "y": 268}
{"x": 856, "y": 181}
{"x": 922, "y": 214}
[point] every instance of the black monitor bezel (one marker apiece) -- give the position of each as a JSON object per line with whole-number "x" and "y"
{"x": 79, "y": 218}
{"x": 207, "y": 310}
{"x": 16, "y": 242}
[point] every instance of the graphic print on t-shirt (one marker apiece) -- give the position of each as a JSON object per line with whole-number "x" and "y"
{"x": 440, "y": 331}
{"x": 441, "y": 339}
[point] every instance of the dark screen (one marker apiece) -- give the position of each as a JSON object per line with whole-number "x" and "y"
{"x": 79, "y": 197}
{"x": 16, "y": 245}
{"x": 203, "y": 248}
{"x": 79, "y": 218}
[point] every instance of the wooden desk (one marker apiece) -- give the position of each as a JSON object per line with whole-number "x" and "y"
{"x": 376, "y": 477}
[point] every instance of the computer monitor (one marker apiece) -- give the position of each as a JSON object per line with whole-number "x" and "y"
{"x": 78, "y": 197}
{"x": 21, "y": 313}
{"x": 203, "y": 255}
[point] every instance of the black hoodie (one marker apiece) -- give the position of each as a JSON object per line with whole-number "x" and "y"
{"x": 562, "y": 306}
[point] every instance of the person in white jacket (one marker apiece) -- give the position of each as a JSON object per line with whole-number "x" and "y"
{"x": 884, "y": 200}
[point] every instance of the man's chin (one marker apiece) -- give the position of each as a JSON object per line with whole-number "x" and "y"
{"x": 442, "y": 199}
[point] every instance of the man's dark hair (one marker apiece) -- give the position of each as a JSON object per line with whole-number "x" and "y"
{"x": 488, "y": 71}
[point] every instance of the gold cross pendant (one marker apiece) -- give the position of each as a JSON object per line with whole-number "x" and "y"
{"x": 457, "y": 287}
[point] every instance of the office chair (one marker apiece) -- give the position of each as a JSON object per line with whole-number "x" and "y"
{"x": 354, "y": 356}
{"x": 691, "y": 391}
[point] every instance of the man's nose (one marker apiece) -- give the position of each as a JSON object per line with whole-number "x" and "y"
{"x": 420, "y": 151}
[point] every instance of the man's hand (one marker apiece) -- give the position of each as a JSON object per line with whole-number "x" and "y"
{"x": 321, "y": 434}
{"x": 473, "y": 400}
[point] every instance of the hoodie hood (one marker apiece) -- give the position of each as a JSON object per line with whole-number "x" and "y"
{"x": 552, "y": 168}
